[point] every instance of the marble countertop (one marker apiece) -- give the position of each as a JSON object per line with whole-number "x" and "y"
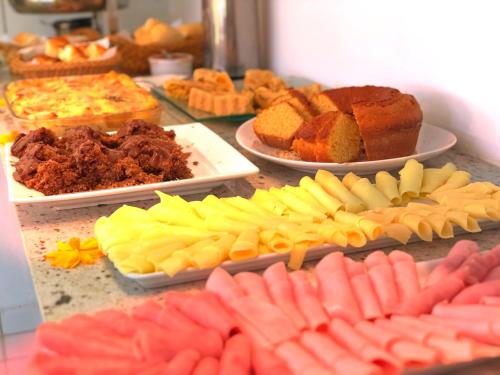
{"x": 87, "y": 288}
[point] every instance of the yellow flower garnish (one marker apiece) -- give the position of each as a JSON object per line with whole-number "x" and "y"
{"x": 8, "y": 137}
{"x": 70, "y": 254}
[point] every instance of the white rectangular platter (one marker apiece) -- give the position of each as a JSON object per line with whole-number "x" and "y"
{"x": 212, "y": 160}
{"x": 160, "y": 279}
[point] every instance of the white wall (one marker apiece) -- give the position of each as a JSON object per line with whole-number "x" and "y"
{"x": 444, "y": 52}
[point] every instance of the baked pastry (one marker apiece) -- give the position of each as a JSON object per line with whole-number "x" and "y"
{"x": 155, "y": 31}
{"x": 25, "y": 39}
{"x": 220, "y": 103}
{"x": 389, "y": 121}
{"x": 94, "y": 50}
{"x": 255, "y": 78}
{"x": 221, "y": 80}
{"x": 277, "y": 125}
{"x": 71, "y": 53}
{"x": 191, "y": 30}
{"x": 330, "y": 137}
{"x": 181, "y": 88}
{"x": 53, "y": 46}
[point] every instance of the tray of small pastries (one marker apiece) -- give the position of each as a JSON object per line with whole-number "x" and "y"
{"x": 213, "y": 95}
{"x": 104, "y": 101}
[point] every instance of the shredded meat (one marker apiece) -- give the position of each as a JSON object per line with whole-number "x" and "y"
{"x": 86, "y": 159}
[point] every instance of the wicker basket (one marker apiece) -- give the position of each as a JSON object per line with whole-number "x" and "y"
{"x": 135, "y": 56}
{"x": 27, "y": 70}
{"x": 9, "y": 50}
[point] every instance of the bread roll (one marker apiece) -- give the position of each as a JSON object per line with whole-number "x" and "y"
{"x": 164, "y": 34}
{"x": 54, "y": 46}
{"x": 26, "y": 39}
{"x": 191, "y": 30}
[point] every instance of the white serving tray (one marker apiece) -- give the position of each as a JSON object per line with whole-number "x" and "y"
{"x": 160, "y": 279}
{"x": 432, "y": 141}
{"x": 217, "y": 162}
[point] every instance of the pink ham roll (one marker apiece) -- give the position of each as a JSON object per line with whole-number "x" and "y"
{"x": 416, "y": 324}
{"x": 183, "y": 363}
{"x": 61, "y": 339}
{"x": 424, "y": 301}
{"x": 410, "y": 353}
{"x": 335, "y": 290}
{"x": 298, "y": 360}
{"x": 204, "y": 308}
{"x": 356, "y": 343}
{"x": 47, "y": 364}
{"x": 488, "y": 300}
{"x": 334, "y": 356}
{"x": 119, "y": 321}
{"x": 474, "y": 293}
{"x": 258, "y": 340}
{"x": 221, "y": 283}
{"x": 484, "y": 331}
{"x": 237, "y": 356}
{"x": 450, "y": 350}
{"x": 265, "y": 362}
{"x": 494, "y": 274}
{"x": 308, "y": 302}
{"x": 281, "y": 292}
{"x": 267, "y": 319}
{"x": 383, "y": 281}
{"x": 456, "y": 256}
{"x": 181, "y": 327}
{"x": 478, "y": 265}
{"x": 253, "y": 285}
{"x": 207, "y": 366}
{"x": 363, "y": 290}
{"x": 405, "y": 274}
{"x": 467, "y": 312}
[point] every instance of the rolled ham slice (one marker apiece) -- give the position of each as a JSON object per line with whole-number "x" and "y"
{"x": 258, "y": 340}
{"x": 253, "y": 285}
{"x": 267, "y": 319}
{"x": 450, "y": 350}
{"x": 183, "y": 363}
{"x": 488, "y": 300}
{"x": 383, "y": 281}
{"x": 467, "y": 312}
{"x": 204, "y": 308}
{"x": 474, "y": 293}
{"x": 334, "y": 356}
{"x": 484, "y": 331}
{"x": 411, "y": 353}
{"x": 266, "y": 362}
{"x": 335, "y": 290}
{"x": 348, "y": 337}
{"x": 237, "y": 356}
{"x": 308, "y": 302}
{"x": 181, "y": 327}
{"x": 475, "y": 268}
{"x": 363, "y": 290}
{"x": 494, "y": 274}
{"x": 415, "y": 324}
{"x": 207, "y": 366}
{"x": 298, "y": 360}
{"x": 455, "y": 258}
{"x": 424, "y": 301}
{"x": 221, "y": 283}
{"x": 405, "y": 274}
{"x": 281, "y": 292}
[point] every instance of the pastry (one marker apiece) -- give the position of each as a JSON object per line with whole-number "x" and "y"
{"x": 220, "y": 103}
{"x": 191, "y": 30}
{"x": 255, "y": 78}
{"x": 71, "y": 53}
{"x": 220, "y": 79}
{"x": 25, "y": 39}
{"x": 94, "y": 50}
{"x": 53, "y": 46}
{"x": 156, "y": 32}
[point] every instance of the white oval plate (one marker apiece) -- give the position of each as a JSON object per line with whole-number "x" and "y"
{"x": 432, "y": 141}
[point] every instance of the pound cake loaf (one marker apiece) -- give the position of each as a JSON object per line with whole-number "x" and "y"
{"x": 389, "y": 121}
{"x": 330, "y": 137}
{"x": 220, "y": 103}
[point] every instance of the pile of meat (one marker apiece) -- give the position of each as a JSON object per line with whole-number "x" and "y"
{"x": 86, "y": 159}
{"x": 375, "y": 317}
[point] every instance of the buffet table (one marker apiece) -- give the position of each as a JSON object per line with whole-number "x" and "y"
{"x": 62, "y": 293}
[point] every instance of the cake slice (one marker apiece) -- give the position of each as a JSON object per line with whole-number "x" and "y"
{"x": 202, "y": 100}
{"x": 277, "y": 125}
{"x": 232, "y": 104}
{"x": 330, "y": 137}
{"x": 298, "y": 101}
{"x": 220, "y": 79}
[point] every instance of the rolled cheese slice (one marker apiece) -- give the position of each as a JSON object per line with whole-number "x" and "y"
{"x": 369, "y": 194}
{"x": 398, "y": 231}
{"x": 436, "y": 177}
{"x": 371, "y": 229}
{"x": 410, "y": 179}
{"x": 388, "y": 185}
{"x": 177, "y": 262}
{"x": 330, "y": 203}
{"x": 267, "y": 201}
{"x": 333, "y": 186}
{"x": 441, "y": 225}
{"x": 457, "y": 180}
{"x": 350, "y": 179}
{"x": 418, "y": 225}
{"x": 464, "y": 220}
{"x": 245, "y": 246}
{"x": 304, "y": 195}
{"x": 294, "y": 203}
